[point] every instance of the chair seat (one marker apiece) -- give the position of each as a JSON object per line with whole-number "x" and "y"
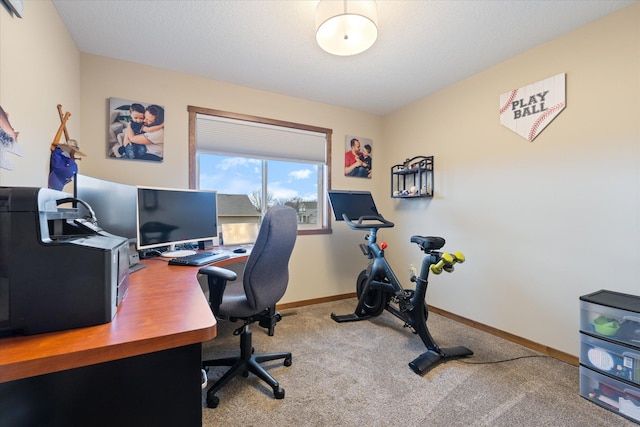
{"x": 236, "y": 303}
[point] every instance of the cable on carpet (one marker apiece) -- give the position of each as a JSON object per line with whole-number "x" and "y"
{"x": 502, "y": 361}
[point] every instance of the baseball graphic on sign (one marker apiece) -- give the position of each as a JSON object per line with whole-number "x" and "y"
{"x": 528, "y": 110}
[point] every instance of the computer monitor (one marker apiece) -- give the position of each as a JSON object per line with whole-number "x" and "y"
{"x": 114, "y": 204}
{"x": 169, "y": 217}
{"x": 355, "y": 204}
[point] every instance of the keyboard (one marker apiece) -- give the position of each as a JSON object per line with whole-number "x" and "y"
{"x": 200, "y": 258}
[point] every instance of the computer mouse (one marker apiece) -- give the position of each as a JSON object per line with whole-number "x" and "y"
{"x": 240, "y": 250}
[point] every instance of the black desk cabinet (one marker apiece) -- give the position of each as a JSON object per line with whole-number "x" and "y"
{"x": 610, "y": 351}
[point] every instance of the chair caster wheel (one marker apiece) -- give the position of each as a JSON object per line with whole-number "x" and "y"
{"x": 287, "y": 361}
{"x": 212, "y": 401}
{"x": 279, "y": 393}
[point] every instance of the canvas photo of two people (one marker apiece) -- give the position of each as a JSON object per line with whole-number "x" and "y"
{"x": 136, "y": 130}
{"x": 357, "y": 158}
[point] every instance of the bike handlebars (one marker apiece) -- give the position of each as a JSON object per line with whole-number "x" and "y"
{"x": 359, "y": 225}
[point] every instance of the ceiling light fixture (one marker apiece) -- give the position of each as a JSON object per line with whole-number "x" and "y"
{"x": 346, "y": 28}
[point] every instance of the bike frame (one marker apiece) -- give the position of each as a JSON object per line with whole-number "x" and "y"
{"x": 411, "y": 303}
{"x": 411, "y": 307}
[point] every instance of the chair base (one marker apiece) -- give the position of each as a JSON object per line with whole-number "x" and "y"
{"x": 245, "y": 363}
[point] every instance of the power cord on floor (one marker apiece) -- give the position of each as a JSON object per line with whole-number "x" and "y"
{"x": 504, "y": 360}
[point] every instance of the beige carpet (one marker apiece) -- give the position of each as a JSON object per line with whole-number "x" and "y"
{"x": 356, "y": 374}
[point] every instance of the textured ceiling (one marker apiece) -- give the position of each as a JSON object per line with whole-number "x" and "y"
{"x": 422, "y": 46}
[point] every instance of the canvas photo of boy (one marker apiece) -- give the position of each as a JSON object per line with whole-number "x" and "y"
{"x": 136, "y": 130}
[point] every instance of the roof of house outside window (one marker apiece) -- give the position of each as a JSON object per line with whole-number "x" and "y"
{"x": 236, "y": 205}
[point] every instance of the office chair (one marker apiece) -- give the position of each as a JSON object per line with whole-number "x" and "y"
{"x": 265, "y": 279}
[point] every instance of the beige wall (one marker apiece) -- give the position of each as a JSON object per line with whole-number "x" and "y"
{"x": 45, "y": 69}
{"x": 314, "y": 262}
{"x": 39, "y": 69}
{"x": 541, "y": 223}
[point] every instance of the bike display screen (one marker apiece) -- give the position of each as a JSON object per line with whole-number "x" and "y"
{"x": 355, "y": 204}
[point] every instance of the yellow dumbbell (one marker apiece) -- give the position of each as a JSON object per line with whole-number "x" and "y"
{"x": 445, "y": 259}
{"x": 446, "y": 262}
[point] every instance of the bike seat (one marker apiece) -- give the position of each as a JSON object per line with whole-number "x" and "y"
{"x": 428, "y": 243}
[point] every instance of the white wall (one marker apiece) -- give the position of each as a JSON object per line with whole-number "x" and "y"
{"x": 541, "y": 222}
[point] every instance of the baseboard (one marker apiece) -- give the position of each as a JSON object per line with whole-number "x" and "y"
{"x": 556, "y": 354}
{"x": 315, "y": 301}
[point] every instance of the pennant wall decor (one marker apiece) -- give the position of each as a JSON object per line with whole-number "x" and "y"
{"x": 529, "y": 109}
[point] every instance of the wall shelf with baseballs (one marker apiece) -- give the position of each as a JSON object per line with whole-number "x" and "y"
{"x": 412, "y": 179}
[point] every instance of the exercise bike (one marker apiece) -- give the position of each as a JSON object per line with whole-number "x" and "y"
{"x": 379, "y": 289}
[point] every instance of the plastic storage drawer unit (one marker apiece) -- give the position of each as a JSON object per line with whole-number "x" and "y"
{"x": 609, "y": 358}
{"x": 611, "y": 315}
{"x": 617, "y": 396}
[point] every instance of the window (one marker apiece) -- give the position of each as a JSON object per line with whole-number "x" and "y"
{"x": 255, "y": 163}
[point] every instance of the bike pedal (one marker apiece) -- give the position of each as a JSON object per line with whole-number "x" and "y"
{"x": 406, "y": 307}
{"x": 404, "y": 294}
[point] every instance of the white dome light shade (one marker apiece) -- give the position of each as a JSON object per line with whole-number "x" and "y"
{"x": 346, "y": 28}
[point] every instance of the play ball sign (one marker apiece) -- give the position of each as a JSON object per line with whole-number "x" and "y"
{"x": 529, "y": 109}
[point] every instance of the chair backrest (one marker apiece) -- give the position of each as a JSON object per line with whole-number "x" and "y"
{"x": 266, "y": 273}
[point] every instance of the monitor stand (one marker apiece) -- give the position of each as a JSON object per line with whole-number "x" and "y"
{"x": 173, "y": 253}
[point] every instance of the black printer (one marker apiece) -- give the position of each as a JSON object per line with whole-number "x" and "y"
{"x": 57, "y": 271}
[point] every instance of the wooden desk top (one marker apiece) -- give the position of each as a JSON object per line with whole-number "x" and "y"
{"x": 164, "y": 308}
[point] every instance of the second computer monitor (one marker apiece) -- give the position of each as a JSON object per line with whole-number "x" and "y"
{"x": 113, "y": 203}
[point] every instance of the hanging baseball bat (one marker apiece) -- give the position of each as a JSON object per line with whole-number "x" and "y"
{"x": 66, "y": 133}
{"x": 56, "y": 139}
